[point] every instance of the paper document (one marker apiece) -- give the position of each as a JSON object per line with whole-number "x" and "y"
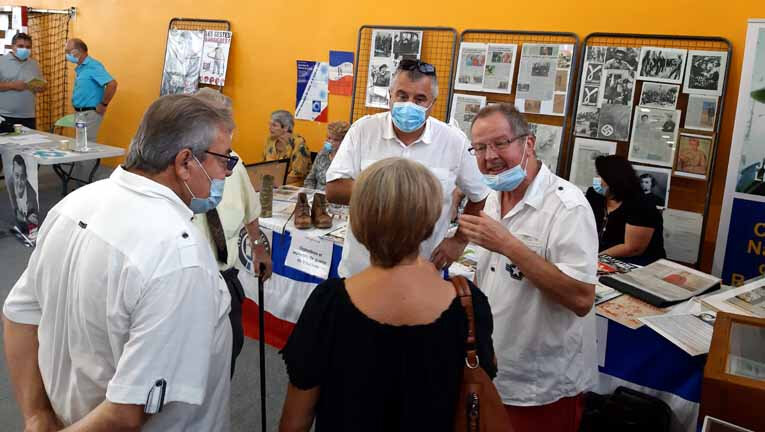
{"x": 748, "y": 299}
{"x": 682, "y": 235}
{"x": 691, "y": 332}
{"x": 628, "y": 310}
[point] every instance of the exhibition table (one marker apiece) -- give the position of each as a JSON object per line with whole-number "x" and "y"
{"x": 640, "y": 359}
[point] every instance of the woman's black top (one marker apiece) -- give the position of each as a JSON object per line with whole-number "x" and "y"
{"x": 638, "y": 211}
{"x": 379, "y": 377}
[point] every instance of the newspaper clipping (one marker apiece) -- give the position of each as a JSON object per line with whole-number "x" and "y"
{"x": 464, "y": 109}
{"x": 701, "y": 112}
{"x": 548, "y": 139}
{"x": 500, "y": 65}
{"x": 470, "y": 69}
{"x": 215, "y": 57}
{"x": 543, "y": 76}
{"x": 654, "y": 137}
{"x": 583, "y": 163}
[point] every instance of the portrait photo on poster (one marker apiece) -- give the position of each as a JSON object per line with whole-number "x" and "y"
{"x": 625, "y": 58}
{"x": 694, "y": 154}
{"x": 617, "y": 87}
{"x": 583, "y": 160}
{"x": 654, "y": 136}
{"x": 654, "y": 182}
{"x": 655, "y": 95}
{"x": 662, "y": 64}
{"x": 701, "y": 112}
{"x": 547, "y": 145}
{"x": 20, "y": 171}
{"x": 706, "y": 72}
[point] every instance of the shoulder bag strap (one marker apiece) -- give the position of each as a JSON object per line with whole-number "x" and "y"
{"x": 466, "y": 299}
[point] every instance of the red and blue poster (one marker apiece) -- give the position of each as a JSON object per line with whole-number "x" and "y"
{"x": 312, "y": 91}
{"x": 341, "y": 73}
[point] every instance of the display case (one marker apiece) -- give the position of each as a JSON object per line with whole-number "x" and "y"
{"x": 734, "y": 377}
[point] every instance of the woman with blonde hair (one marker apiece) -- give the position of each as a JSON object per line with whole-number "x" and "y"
{"x": 384, "y": 349}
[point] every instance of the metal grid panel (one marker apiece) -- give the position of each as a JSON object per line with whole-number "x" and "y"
{"x": 519, "y": 38}
{"x": 438, "y": 45}
{"x": 685, "y": 194}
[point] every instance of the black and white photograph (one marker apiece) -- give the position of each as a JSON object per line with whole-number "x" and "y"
{"x": 564, "y": 57}
{"x": 622, "y": 58}
{"x": 614, "y": 122}
{"x": 590, "y": 95}
{"x": 662, "y": 64}
{"x": 587, "y": 121}
{"x": 383, "y": 43}
{"x": 654, "y": 182}
{"x": 540, "y": 69}
{"x": 593, "y": 72}
{"x": 596, "y": 54}
{"x": 547, "y": 145}
{"x": 183, "y": 61}
{"x": 706, "y": 72}
{"x": 406, "y": 44}
{"x": 655, "y": 95}
{"x": 654, "y": 136}
{"x": 20, "y": 173}
{"x": 617, "y": 87}
{"x": 583, "y": 160}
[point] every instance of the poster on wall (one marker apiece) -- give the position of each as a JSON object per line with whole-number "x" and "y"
{"x": 215, "y": 57}
{"x": 739, "y": 253}
{"x": 486, "y": 67}
{"x": 464, "y": 109}
{"x": 183, "y": 61}
{"x": 312, "y": 91}
{"x": 706, "y": 72}
{"x": 583, "y": 161}
{"x": 654, "y": 136}
{"x": 388, "y": 48}
{"x": 340, "y": 73}
{"x": 20, "y": 171}
{"x": 547, "y": 145}
{"x": 543, "y": 76}
{"x": 662, "y": 64}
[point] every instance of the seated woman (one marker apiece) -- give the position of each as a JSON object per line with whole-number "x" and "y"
{"x": 317, "y": 178}
{"x": 630, "y": 226}
{"x": 384, "y": 349}
{"x": 282, "y": 143}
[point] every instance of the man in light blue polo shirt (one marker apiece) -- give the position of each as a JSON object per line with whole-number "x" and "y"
{"x": 94, "y": 88}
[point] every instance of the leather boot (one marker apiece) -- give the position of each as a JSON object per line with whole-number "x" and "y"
{"x": 266, "y": 196}
{"x": 302, "y": 212}
{"x": 319, "y": 216}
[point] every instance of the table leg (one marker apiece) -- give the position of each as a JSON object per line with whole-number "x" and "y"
{"x": 93, "y": 171}
{"x": 64, "y": 176}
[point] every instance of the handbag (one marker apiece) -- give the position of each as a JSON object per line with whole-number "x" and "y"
{"x": 479, "y": 407}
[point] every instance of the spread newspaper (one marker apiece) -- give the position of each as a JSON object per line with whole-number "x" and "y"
{"x": 748, "y": 299}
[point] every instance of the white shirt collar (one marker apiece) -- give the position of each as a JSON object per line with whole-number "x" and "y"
{"x": 390, "y": 134}
{"x": 144, "y": 186}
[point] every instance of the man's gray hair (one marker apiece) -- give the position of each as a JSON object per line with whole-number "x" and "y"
{"x": 284, "y": 118}
{"x": 173, "y": 123}
{"x": 415, "y": 75}
{"x": 514, "y": 118}
{"x": 214, "y": 97}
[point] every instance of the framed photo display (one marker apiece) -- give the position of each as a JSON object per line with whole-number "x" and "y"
{"x": 654, "y": 136}
{"x": 706, "y": 72}
{"x": 662, "y": 64}
{"x": 693, "y": 156}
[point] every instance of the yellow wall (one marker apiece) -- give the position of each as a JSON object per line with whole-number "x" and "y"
{"x": 129, "y": 38}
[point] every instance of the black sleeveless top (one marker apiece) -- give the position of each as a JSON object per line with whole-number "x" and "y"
{"x": 379, "y": 377}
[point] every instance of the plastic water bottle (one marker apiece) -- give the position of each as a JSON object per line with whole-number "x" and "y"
{"x": 81, "y": 132}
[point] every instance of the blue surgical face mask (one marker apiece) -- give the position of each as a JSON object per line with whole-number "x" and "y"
{"x": 508, "y": 180}
{"x": 22, "y": 53}
{"x": 203, "y": 205}
{"x": 597, "y": 186}
{"x": 408, "y": 116}
{"x": 72, "y": 59}
{"x": 327, "y": 146}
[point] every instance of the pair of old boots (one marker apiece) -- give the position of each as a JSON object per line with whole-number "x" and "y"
{"x": 315, "y": 215}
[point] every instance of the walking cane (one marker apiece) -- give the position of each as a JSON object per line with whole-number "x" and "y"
{"x": 262, "y": 338}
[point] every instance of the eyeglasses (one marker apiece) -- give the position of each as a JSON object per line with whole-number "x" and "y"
{"x": 480, "y": 148}
{"x": 410, "y": 64}
{"x": 231, "y": 161}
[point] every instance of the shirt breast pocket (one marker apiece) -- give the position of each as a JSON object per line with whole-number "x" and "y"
{"x": 532, "y": 243}
{"x": 446, "y": 179}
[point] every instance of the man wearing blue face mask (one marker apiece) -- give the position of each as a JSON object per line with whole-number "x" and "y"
{"x": 93, "y": 89}
{"x": 538, "y": 270}
{"x": 408, "y": 131}
{"x": 120, "y": 321}
{"x": 17, "y": 96}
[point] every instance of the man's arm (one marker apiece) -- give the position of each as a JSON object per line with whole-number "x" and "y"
{"x": 450, "y": 249}
{"x": 111, "y": 417}
{"x": 573, "y": 294}
{"x": 339, "y": 191}
{"x": 17, "y": 85}
{"x": 259, "y": 255}
{"x": 21, "y": 357}
{"x": 109, "y": 90}
{"x": 636, "y": 241}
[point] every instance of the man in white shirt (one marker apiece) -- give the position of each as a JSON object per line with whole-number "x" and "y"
{"x": 408, "y": 131}
{"x": 124, "y": 295}
{"x": 539, "y": 273}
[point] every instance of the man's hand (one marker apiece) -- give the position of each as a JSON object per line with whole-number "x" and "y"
{"x": 101, "y": 109}
{"x": 42, "y": 422}
{"x": 259, "y": 256}
{"x": 18, "y": 85}
{"x": 448, "y": 251}
{"x": 486, "y": 232}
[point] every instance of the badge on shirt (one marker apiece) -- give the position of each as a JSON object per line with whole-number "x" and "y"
{"x": 514, "y": 271}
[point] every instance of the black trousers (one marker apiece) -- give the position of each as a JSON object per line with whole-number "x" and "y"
{"x": 235, "y": 316}
{"x": 31, "y": 123}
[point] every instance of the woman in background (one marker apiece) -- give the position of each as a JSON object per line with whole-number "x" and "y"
{"x": 282, "y": 143}
{"x": 317, "y": 178}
